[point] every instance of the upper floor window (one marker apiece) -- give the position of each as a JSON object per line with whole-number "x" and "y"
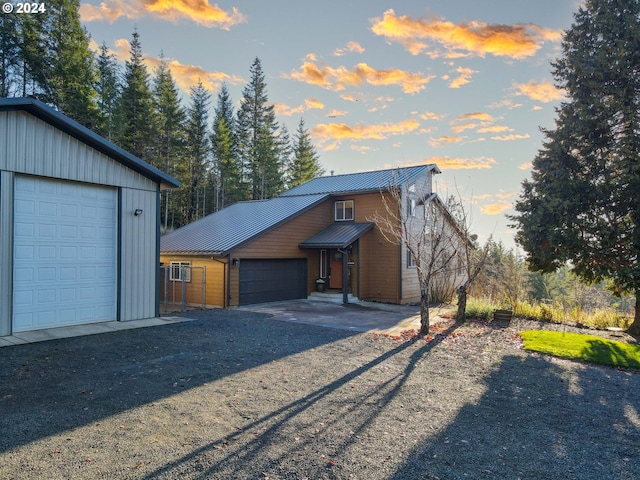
{"x": 344, "y": 210}
{"x": 411, "y": 207}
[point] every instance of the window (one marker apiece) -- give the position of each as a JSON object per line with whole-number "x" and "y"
{"x": 410, "y": 262}
{"x": 411, "y": 207}
{"x": 344, "y": 210}
{"x": 323, "y": 264}
{"x": 176, "y": 272}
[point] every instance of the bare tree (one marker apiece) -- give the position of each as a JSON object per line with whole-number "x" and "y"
{"x": 420, "y": 222}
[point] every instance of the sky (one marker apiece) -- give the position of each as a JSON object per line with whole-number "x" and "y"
{"x": 464, "y": 84}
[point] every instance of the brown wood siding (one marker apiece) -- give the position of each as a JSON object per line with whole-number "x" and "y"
{"x": 215, "y": 281}
{"x": 379, "y": 259}
{"x": 283, "y": 242}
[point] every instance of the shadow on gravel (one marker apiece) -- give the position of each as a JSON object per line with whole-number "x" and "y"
{"x": 52, "y": 387}
{"x": 238, "y": 458}
{"x": 544, "y": 424}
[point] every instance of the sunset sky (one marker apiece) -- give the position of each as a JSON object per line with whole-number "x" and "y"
{"x": 465, "y": 84}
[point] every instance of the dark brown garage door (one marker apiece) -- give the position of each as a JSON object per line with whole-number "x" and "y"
{"x": 271, "y": 280}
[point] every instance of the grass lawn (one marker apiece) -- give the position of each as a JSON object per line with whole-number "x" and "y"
{"x": 578, "y": 346}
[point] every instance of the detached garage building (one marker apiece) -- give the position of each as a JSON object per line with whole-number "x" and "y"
{"x": 79, "y": 227}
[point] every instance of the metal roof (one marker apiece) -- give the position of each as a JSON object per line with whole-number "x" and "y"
{"x": 229, "y": 228}
{"x": 362, "y": 182}
{"x": 338, "y": 235}
{"x": 73, "y": 128}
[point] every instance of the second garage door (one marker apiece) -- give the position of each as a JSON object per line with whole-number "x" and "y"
{"x": 271, "y": 280}
{"x": 64, "y": 267}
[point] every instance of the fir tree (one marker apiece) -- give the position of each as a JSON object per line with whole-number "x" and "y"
{"x": 108, "y": 91}
{"x": 9, "y": 54}
{"x": 579, "y": 208}
{"x": 170, "y": 117}
{"x": 259, "y": 146}
{"x": 136, "y": 105}
{"x": 306, "y": 164}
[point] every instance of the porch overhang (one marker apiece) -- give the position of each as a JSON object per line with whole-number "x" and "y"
{"x": 338, "y": 235}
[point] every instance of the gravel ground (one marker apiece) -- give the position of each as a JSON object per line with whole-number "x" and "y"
{"x": 236, "y": 395}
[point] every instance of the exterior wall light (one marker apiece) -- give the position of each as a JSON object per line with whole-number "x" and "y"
{"x": 138, "y": 212}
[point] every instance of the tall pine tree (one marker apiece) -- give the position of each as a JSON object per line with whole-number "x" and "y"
{"x": 136, "y": 105}
{"x": 170, "y": 117}
{"x": 108, "y": 92}
{"x": 258, "y": 142}
{"x": 580, "y": 206}
{"x": 9, "y": 54}
{"x": 305, "y": 165}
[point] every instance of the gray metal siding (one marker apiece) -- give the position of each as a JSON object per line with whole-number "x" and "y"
{"x": 138, "y": 254}
{"x": 6, "y": 251}
{"x": 31, "y": 146}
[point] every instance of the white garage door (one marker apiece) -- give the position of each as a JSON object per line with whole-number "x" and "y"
{"x": 64, "y": 266}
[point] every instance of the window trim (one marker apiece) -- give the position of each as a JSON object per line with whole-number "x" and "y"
{"x": 178, "y": 278}
{"x": 323, "y": 263}
{"x": 343, "y": 210}
{"x": 410, "y": 262}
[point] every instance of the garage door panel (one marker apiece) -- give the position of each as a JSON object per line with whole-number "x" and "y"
{"x": 64, "y": 253}
{"x": 270, "y": 280}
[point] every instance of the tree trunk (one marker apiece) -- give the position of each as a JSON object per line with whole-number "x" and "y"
{"x": 634, "y": 329}
{"x": 462, "y": 304}
{"x": 424, "y": 312}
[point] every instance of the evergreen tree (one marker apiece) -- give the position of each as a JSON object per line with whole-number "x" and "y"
{"x": 70, "y": 73}
{"x": 306, "y": 164}
{"x": 229, "y": 179}
{"x": 33, "y": 66}
{"x": 196, "y": 164}
{"x": 136, "y": 105}
{"x": 259, "y": 145}
{"x": 579, "y": 207}
{"x": 9, "y": 54}
{"x": 108, "y": 92}
{"x": 170, "y": 117}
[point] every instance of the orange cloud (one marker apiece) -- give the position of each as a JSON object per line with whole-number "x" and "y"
{"x": 525, "y": 166}
{"x": 444, "y": 139}
{"x": 511, "y": 138}
{"x": 312, "y": 103}
{"x": 185, "y": 76}
{"x": 463, "y": 78}
{"x": 483, "y": 117}
{"x": 287, "y": 111}
{"x": 352, "y": 47}
{"x": 338, "y": 79}
{"x": 431, "y": 116}
{"x": 544, "y": 91}
{"x": 465, "y": 39}
{"x": 198, "y": 11}
{"x": 448, "y": 163}
{"x": 495, "y": 208}
{"x": 495, "y": 129}
{"x": 341, "y": 131}
{"x": 464, "y": 126}
{"x": 336, "y": 113}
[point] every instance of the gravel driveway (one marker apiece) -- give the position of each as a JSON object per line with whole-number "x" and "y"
{"x": 239, "y": 395}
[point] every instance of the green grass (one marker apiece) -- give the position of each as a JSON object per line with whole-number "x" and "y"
{"x": 588, "y": 348}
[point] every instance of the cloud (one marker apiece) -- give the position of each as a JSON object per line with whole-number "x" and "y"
{"x": 463, "y": 78}
{"x": 431, "y": 116}
{"x": 544, "y": 91}
{"x": 352, "y": 47}
{"x": 338, "y": 79}
{"x": 326, "y": 132}
{"x": 495, "y": 129}
{"x": 185, "y": 76}
{"x": 287, "y": 111}
{"x": 495, "y": 208}
{"x": 448, "y": 163}
{"x": 525, "y": 166}
{"x": 482, "y": 116}
{"x": 511, "y": 138}
{"x": 475, "y": 38}
{"x": 444, "y": 139}
{"x": 198, "y": 11}
{"x": 336, "y": 113}
{"x": 464, "y": 126}
{"x": 348, "y": 97}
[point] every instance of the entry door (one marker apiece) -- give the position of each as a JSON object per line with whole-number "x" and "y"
{"x": 335, "y": 270}
{"x": 64, "y": 262}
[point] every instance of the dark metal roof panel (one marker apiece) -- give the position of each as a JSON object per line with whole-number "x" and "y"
{"x": 231, "y": 227}
{"x": 73, "y": 128}
{"x": 362, "y": 182}
{"x": 338, "y": 235}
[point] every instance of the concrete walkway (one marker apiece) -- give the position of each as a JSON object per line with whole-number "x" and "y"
{"x": 80, "y": 330}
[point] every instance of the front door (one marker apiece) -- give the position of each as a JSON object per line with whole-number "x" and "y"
{"x": 335, "y": 270}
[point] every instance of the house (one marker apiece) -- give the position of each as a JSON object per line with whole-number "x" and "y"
{"x": 79, "y": 224}
{"x": 317, "y": 233}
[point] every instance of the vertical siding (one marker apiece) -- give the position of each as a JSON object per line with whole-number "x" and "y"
{"x": 31, "y": 146}
{"x": 6, "y": 251}
{"x": 138, "y": 254}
